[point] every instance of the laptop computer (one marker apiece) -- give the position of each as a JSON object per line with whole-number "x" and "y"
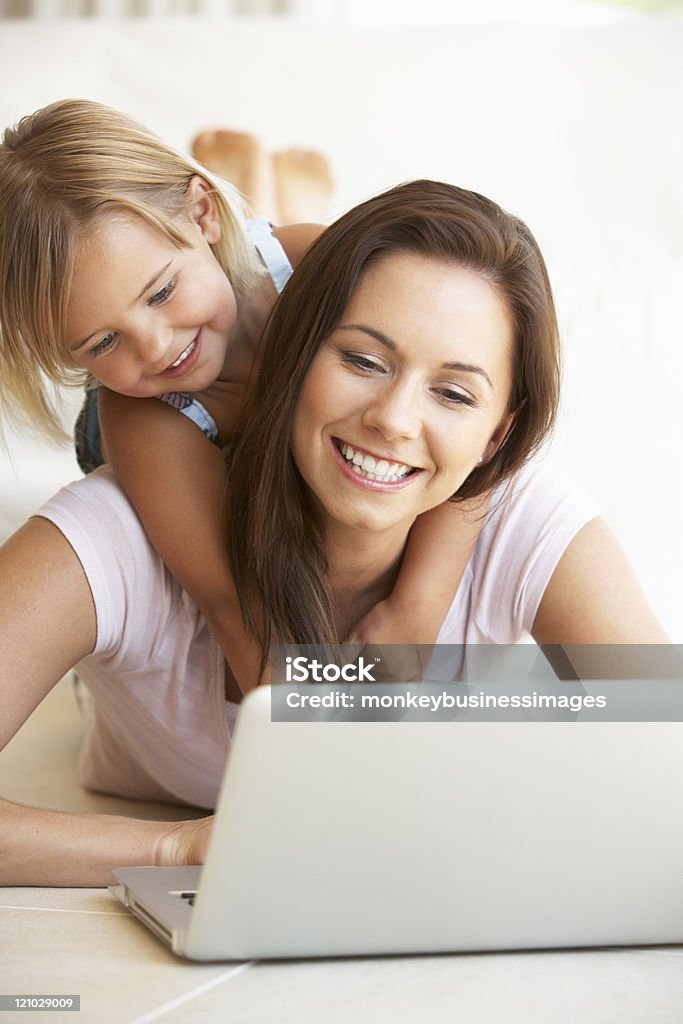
{"x": 367, "y": 838}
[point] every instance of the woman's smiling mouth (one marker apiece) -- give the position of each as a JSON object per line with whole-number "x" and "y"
{"x": 372, "y": 468}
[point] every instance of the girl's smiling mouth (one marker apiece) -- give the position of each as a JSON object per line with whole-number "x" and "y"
{"x": 186, "y": 360}
{"x": 372, "y": 470}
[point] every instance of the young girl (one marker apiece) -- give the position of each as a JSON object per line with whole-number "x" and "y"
{"x": 123, "y": 266}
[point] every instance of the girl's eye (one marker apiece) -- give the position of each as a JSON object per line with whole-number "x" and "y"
{"x": 360, "y": 362}
{"x": 162, "y": 294}
{"x": 452, "y": 396}
{"x": 104, "y": 345}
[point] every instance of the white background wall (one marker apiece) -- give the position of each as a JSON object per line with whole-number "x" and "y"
{"x": 576, "y": 127}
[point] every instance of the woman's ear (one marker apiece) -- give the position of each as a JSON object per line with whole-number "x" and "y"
{"x": 202, "y": 209}
{"x": 500, "y": 435}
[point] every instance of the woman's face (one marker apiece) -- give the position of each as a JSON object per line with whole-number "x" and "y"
{"x": 406, "y": 395}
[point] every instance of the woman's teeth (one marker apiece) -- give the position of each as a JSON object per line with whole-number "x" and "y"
{"x": 372, "y": 468}
{"x": 183, "y": 355}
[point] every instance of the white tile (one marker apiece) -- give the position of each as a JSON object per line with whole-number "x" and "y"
{"x": 63, "y": 901}
{"x": 593, "y": 987}
{"x": 116, "y": 966}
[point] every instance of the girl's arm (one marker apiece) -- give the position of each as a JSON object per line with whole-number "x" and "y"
{"x": 175, "y": 479}
{"x": 438, "y": 550}
{"x": 595, "y": 608}
{"x": 295, "y": 239}
{"x": 47, "y": 624}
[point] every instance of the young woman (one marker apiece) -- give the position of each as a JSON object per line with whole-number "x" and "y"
{"x": 412, "y": 361}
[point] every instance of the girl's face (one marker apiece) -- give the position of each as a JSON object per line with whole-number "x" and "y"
{"x": 406, "y": 395}
{"x": 145, "y": 317}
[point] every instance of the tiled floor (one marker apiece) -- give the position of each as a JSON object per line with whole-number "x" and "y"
{"x": 80, "y": 941}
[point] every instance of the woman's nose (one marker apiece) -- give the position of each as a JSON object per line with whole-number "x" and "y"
{"x": 395, "y": 411}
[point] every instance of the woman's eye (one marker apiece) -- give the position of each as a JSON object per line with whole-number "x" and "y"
{"x": 162, "y": 294}
{"x": 452, "y": 396}
{"x": 104, "y": 345}
{"x": 360, "y": 362}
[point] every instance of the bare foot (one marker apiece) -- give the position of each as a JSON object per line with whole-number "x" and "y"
{"x": 303, "y": 185}
{"x": 240, "y": 159}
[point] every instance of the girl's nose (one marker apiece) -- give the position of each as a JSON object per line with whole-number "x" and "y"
{"x": 155, "y": 346}
{"x": 395, "y": 411}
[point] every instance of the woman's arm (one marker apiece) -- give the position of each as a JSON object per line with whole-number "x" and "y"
{"x": 175, "y": 479}
{"x": 595, "y": 608}
{"x": 56, "y": 848}
{"x": 48, "y": 624}
{"x": 47, "y": 619}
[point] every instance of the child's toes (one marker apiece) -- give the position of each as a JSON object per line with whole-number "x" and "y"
{"x": 239, "y": 158}
{"x": 303, "y": 185}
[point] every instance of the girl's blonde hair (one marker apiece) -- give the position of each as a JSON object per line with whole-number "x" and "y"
{"x": 61, "y": 169}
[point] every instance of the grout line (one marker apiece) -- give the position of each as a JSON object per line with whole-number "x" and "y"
{"x": 655, "y": 951}
{"x": 60, "y": 910}
{"x": 167, "y": 1007}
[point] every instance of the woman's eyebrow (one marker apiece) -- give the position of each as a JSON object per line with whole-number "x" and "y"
{"x": 469, "y": 368}
{"x": 153, "y": 280}
{"x": 383, "y": 339}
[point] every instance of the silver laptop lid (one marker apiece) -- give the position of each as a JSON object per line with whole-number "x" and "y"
{"x": 343, "y": 838}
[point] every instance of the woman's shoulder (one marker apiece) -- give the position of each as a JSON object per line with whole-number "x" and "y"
{"x": 532, "y": 519}
{"x": 102, "y": 527}
{"x": 134, "y": 594}
{"x": 97, "y": 496}
{"x": 536, "y": 495}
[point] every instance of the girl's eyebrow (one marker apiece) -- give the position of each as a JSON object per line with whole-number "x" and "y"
{"x": 385, "y": 340}
{"x": 152, "y": 281}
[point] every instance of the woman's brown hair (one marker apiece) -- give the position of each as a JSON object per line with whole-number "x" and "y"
{"x": 275, "y": 540}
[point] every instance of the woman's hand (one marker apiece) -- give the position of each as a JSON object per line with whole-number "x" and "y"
{"x": 183, "y": 843}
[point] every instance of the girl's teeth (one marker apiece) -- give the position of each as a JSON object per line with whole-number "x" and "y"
{"x": 372, "y": 468}
{"x": 182, "y": 357}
